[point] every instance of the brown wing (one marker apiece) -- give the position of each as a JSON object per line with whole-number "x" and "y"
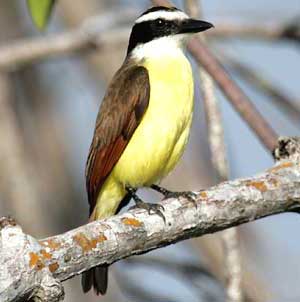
{"x": 120, "y": 113}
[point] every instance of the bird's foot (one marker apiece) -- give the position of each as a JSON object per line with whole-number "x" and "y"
{"x": 191, "y": 196}
{"x": 151, "y": 208}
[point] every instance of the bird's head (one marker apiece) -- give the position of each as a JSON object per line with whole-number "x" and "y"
{"x": 161, "y": 25}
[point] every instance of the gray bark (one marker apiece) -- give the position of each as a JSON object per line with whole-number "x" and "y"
{"x": 34, "y": 268}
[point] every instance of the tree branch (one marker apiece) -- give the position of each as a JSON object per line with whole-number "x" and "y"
{"x": 230, "y": 239}
{"x": 241, "y": 103}
{"x": 280, "y": 32}
{"x": 136, "y": 232}
{"x": 256, "y": 79}
{"x": 91, "y": 34}
{"x": 22, "y": 276}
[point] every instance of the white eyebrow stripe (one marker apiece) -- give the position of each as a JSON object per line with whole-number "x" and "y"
{"x": 166, "y": 15}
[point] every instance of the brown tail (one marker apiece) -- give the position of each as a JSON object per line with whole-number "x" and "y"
{"x": 96, "y": 277}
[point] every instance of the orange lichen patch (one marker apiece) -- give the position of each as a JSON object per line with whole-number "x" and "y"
{"x": 53, "y": 267}
{"x": 52, "y": 244}
{"x": 88, "y": 244}
{"x": 35, "y": 261}
{"x": 281, "y": 166}
{"x": 101, "y": 238}
{"x": 93, "y": 243}
{"x": 82, "y": 241}
{"x": 132, "y": 222}
{"x": 45, "y": 255}
{"x": 203, "y": 194}
{"x": 274, "y": 182}
{"x": 259, "y": 185}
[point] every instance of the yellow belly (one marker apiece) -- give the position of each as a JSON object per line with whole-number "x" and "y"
{"x": 159, "y": 141}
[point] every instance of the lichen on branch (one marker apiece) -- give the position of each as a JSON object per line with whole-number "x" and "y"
{"x": 228, "y": 204}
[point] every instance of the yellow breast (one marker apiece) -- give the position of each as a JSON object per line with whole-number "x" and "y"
{"x": 159, "y": 140}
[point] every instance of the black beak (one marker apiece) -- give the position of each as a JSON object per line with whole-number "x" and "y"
{"x": 194, "y": 26}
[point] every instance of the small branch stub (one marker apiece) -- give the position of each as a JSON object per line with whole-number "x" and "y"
{"x": 288, "y": 149}
{"x": 22, "y": 275}
{"x": 7, "y": 222}
{"x": 50, "y": 290}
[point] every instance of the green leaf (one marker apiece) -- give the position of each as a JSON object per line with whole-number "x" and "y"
{"x": 40, "y": 11}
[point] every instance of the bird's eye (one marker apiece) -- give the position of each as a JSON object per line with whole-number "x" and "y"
{"x": 159, "y": 22}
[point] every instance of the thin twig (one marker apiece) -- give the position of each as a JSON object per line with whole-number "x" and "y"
{"x": 212, "y": 111}
{"x": 235, "y": 95}
{"x": 258, "y": 81}
{"x": 218, "y": 156}
{"x": 241, "y": 103}
{"x": 90, "y": 35}
{"x": 264, "y": 32}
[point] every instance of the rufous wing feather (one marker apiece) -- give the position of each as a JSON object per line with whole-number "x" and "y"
{"x": 121, "y": 111}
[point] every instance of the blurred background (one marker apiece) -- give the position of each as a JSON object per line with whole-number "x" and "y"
{"x": 47, "y": 115}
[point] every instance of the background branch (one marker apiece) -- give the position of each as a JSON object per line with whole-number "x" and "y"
{"x": 234, "y": 94}
{"x": 259, "y": 82}
{"x": 233, "y": 270}
{"x": 281, "y": 32}
{"x": 241, "y": 103}
{"x": 93, "y": 34}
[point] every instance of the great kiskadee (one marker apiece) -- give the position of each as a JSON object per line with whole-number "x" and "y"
{"x": 144, "y": 120}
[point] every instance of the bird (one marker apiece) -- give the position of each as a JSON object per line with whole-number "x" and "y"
{"x": 144, "y": 120}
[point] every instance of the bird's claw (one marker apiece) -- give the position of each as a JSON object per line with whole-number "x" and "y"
{"x": 151, "y": 208}
{"x": 191, "y": 196}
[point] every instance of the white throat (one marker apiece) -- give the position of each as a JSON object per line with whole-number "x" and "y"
{"x": 161, "y": 47}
